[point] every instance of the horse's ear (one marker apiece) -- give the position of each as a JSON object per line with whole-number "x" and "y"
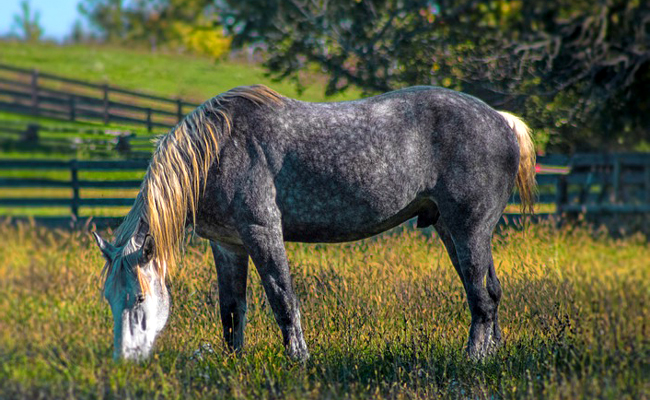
{"x": 108, "y": 250}
{"x": 147, "y": 250}
{"x": 139, "y": 233}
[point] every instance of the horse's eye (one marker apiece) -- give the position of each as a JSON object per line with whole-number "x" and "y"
{"x": 140, "y": 298}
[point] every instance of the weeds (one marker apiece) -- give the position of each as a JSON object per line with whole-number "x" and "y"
{"x": 385, "y": 317}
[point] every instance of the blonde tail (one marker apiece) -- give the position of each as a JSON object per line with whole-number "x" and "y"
{"x": 526, "y": 182}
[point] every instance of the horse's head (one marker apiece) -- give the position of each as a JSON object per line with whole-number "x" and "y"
{"x": 137, "y": 294}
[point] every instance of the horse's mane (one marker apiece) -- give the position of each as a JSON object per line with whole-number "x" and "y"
{"x": 178, "y": 171}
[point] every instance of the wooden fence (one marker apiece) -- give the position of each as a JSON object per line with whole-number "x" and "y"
{"x": 605, "y": 183}
{"x": 584, "y": 183}
{"x": 75, "y": 201}
{"x": 37, "y": 93}
{"x": 68, "y": 140}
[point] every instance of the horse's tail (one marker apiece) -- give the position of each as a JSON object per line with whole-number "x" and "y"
{"x": 526, "y": 182}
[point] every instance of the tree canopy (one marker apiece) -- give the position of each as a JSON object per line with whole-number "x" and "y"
{"x": 186, "y": 24}
{"x": 579, "y": 70}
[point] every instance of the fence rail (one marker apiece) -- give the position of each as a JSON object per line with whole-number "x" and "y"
{"x": 74, "y": 183}
{"x": 584, "y": 183}
{"x": 24, "y": 136}
{"x": 37, "y": 93}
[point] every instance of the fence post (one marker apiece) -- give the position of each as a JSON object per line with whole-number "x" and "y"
{"x": 646, "y": 178}
{"x": 74, "y": 182}
{"x": 149, "y": 124}
{"x": 179, "y": 109}
{"x": 616, "y": 180}
{"x": 561, "y": 195}
{"x": 72, "y": 105}
{"x": 123, "y": 145}
{"x": 35, "y": 91}
{"x": 106, "y": 104}
{"x": 31, "y": 134}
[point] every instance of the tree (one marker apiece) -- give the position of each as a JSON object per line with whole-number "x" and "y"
{"x": 28, "y": 22}
{"x": 574, "y": 68}
{"x": 105, "y": 16}
{"x": 179, "y": 24}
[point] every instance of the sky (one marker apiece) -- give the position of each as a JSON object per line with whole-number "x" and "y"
{"x": 57, "y": 16}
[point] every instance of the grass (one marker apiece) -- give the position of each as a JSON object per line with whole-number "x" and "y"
{"x": 170, "y": 75}
{"x": 384, "y": 318}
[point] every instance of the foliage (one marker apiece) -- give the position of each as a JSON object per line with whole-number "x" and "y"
{"x": 180, "y": 24}
{"x": 28, "y": 23}
{"x": 384, "y": 318}
{"x": 575, "y": 68}
{"x": 203, "y": 39}
{"x": 105, "y": 16}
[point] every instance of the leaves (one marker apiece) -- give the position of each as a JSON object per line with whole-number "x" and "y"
{"x": 180, "y": 24}
{"x": 573, "y": 68}
{"x": 28, "y": 22}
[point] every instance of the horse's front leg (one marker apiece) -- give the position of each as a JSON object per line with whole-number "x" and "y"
{"x": 232, "y": 270}
{"x": 265, "y": 245}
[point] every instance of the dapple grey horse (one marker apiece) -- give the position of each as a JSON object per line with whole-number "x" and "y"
{"x": 251, "y": 169}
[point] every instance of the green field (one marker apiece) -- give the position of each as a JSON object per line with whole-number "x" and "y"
{"x": 384, "y": 318}
{"x": 169, "y": 75}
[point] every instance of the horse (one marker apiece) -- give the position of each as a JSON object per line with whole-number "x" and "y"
{"x": 250, "y": 169}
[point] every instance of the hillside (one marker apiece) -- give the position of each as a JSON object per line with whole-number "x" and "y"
{"x": 171, "y": 75}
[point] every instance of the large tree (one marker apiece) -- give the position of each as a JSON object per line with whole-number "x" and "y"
{"x": 578, "y": 69}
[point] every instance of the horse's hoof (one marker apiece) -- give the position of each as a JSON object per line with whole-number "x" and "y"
{"x": 486, "y": 345}
{"x": 297, "y": 351}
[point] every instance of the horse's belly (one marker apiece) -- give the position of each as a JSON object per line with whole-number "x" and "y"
{"x": 338, "y": 218}
{"x": 336, "y": 195}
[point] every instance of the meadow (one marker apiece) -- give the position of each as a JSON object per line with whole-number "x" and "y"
{"x": 165, "y": 74}
{"x": 384, "y": 318}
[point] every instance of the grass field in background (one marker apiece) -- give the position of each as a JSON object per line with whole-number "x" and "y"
{"x": 384, "y": 318}
{"x": 171, "y": 75}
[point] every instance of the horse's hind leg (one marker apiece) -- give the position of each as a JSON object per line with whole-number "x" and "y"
{"x": 466, "y": 231}
{"x": 475, "y": 259}
{"x": 493, "y": 286}
{"x": 231, "y": 262}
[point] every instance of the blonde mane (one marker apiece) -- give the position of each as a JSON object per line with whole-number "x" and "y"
{"x": 178, "y": 170}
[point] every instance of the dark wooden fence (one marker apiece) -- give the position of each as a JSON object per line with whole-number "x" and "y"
{"x": 584, "y": 183}
{"x": 36, "y": 93}
{"x": 75, "y": 201}
{"x": 96, "y": 142}
{"x": 605, "y": 183}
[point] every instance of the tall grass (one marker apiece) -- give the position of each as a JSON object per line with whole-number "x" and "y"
{"x": 385, "y": 317}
